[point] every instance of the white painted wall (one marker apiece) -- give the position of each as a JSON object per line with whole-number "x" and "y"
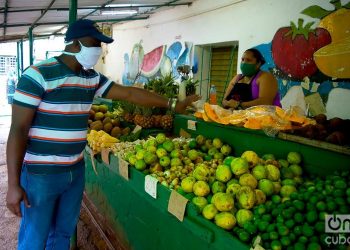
{"x": 251, "y": 22}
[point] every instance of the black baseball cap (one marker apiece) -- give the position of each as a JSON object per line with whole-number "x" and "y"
{"x": 85, "y": 27}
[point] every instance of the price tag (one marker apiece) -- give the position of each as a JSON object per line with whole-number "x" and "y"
{"x": 177, "y": 205}
{"x": 258, "y": 247}
{"x": 105, "y": 155}
{"x": 136, "y": 129}
{"x": 191, "y": 125}
{"x": 151, "y": 186}
{"x": 124, "y": 169}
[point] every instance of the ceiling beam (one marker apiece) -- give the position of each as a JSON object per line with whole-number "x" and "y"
{"x": 11, "y": 10}
{"x": 66, "y": 22}
{"x": 42, "y": 14}
{"x": 5, "y": 18}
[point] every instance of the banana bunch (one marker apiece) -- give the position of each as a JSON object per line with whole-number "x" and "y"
{"x": 100, "y": 139}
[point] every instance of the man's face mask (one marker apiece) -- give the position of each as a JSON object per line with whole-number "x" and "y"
{"x": 87, "y": 56}
{"x": 248, "y": 69}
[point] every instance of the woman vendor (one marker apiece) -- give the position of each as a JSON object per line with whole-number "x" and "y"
{"x": 252, "y": 87}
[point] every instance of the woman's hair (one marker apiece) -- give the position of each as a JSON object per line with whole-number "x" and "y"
{"x": 258, "y": 56}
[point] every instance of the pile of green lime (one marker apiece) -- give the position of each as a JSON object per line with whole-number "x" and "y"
{"x": 299, "y": 223}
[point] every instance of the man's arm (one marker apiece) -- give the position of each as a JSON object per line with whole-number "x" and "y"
{"x": 16, "y": 145}
{"x": 146, "y": 98}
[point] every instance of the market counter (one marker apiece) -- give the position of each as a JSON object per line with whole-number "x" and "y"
{"x": 315, "y": 160}
{"x": 144, "y": 221}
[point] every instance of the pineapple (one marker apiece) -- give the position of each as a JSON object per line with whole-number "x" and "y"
{"x": 157, "y": 121}
{"x": 147, "y": 121}
{"x": 167, "y": 121}
{"x": 128, "y": 109}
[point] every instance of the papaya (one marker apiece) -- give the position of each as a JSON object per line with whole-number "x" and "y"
{"x": 252, "y": 123}
{"x": 198, "y": 115}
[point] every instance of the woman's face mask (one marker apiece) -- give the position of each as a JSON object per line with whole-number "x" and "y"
{"x": 248, "y": 69}
{"x": 87, "y": 56}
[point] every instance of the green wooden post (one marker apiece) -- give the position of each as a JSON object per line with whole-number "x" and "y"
{"x": 73, "y": 6}
{"x": 18, "y": 58}
{"x": 31, "y": 56}
{"x": 21, "y": 53}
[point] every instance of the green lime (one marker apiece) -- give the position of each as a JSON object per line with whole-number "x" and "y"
{"x": 320, "y": 226}
{"x": 250, "y": 227}
{"x": 344, "y": 209}
{"x": 313, "y": 199}
{"x": 261, "y": 209}
{"x": 338, "y": 192}
{"x": 244, "y": 236}
{"x": 298, "y": 217}
{"x": 263, "y": 226}
{"x": 208, "y": 157}
{"x": 280, "y": 219}
{"x": 311, "y": 216}
{"x": 303, "y": 239}
{"x": 331, "y": 206}
{"x": 340, "y": 201}
{"x": 292, "y": 236}
{"x": 299, "y": 246}
{"x": 275, "y": 212}
{"x": 307, "y": 230}
{"x": 276, "y": 245}
{"x": 276, "y": 199}
{"x": 285, "y": 241}
{"x": 287, "y": 213}
{"x": 322, "y": 216}
{"x": 274, "y": 235}
{"x": 341, "y": 184}
{"x": 235, "y": 230}
{"x": 313, "y": 246}
{"x": 348, "y": 191}
{"x": 270, "y": 228}
{"x": 267, "y": 217}
{"x": 348, "y": 199}
{"x": 311, "y": 207}
{"x": 299, "y": 205}
{"x": 294, "y": 196}
{"x": 192, "y": 144}
{"x": 298, "y": 230}
{"x": 283, "y": 230}
{"x": 289, "y": 223}
{"x": 265, "y": 236}
{"x": 321, "y": 206}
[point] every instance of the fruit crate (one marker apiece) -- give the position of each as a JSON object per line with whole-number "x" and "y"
{"x": 144, "y": 221}
{"x": 316, "y": 160}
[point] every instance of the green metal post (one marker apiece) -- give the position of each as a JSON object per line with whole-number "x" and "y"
{"x": 73, "y": 6}
{"x": 21, "y": 52}
{"x": 31, "y": 56}
{"x": 18, "y": 58}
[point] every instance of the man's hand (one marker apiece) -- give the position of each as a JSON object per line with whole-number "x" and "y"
{"x": 181, "y": 106}
{"x": 14, "y": 197}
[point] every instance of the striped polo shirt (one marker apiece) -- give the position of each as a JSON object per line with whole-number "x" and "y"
{"x": 62, "y": 99}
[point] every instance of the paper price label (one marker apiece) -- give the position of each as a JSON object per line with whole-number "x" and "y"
{"x": 123, "y": 169}
{"x": 191, "y": 125}
{"x": 88, "y": 149}
{"x": 177, "y": 205}
{"x": 151, "y": 186}
{"x": 137, "y": 129}
{"x": 93, "y": 162}
{"x": 105, "y": 155}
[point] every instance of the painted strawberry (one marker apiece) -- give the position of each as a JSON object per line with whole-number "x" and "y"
{"x": 293, "y": 48}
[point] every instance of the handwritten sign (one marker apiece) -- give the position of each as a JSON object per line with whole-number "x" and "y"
{"x": 93, "y": 162}
{"x": 177, "y": 205}
{"x": 151, "y": 186}
{"x": 123, "y": 169}
{"x": 105, "y": 155}
{"x": 191, "y": 125}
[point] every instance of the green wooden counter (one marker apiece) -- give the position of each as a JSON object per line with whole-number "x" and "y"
{"x": 145, "y": 221}
{"x": 315, "y": 160}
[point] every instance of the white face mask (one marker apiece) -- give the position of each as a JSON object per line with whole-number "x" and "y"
{"x": 87, "y": 56}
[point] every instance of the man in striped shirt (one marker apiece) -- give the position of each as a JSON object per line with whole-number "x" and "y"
{"x": 48, "y": 135}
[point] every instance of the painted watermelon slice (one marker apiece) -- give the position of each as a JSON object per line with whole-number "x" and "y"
{"x": 152, "y": 61}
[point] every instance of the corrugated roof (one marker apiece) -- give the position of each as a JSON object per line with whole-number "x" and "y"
{"x": 49, "y": 17}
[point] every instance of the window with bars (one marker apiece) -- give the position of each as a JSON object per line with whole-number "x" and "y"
{"x": 7, "y": 63}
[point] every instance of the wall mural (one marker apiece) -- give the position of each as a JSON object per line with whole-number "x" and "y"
{"x": 316, "y": 59}
{"x": 161, "y": 61}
